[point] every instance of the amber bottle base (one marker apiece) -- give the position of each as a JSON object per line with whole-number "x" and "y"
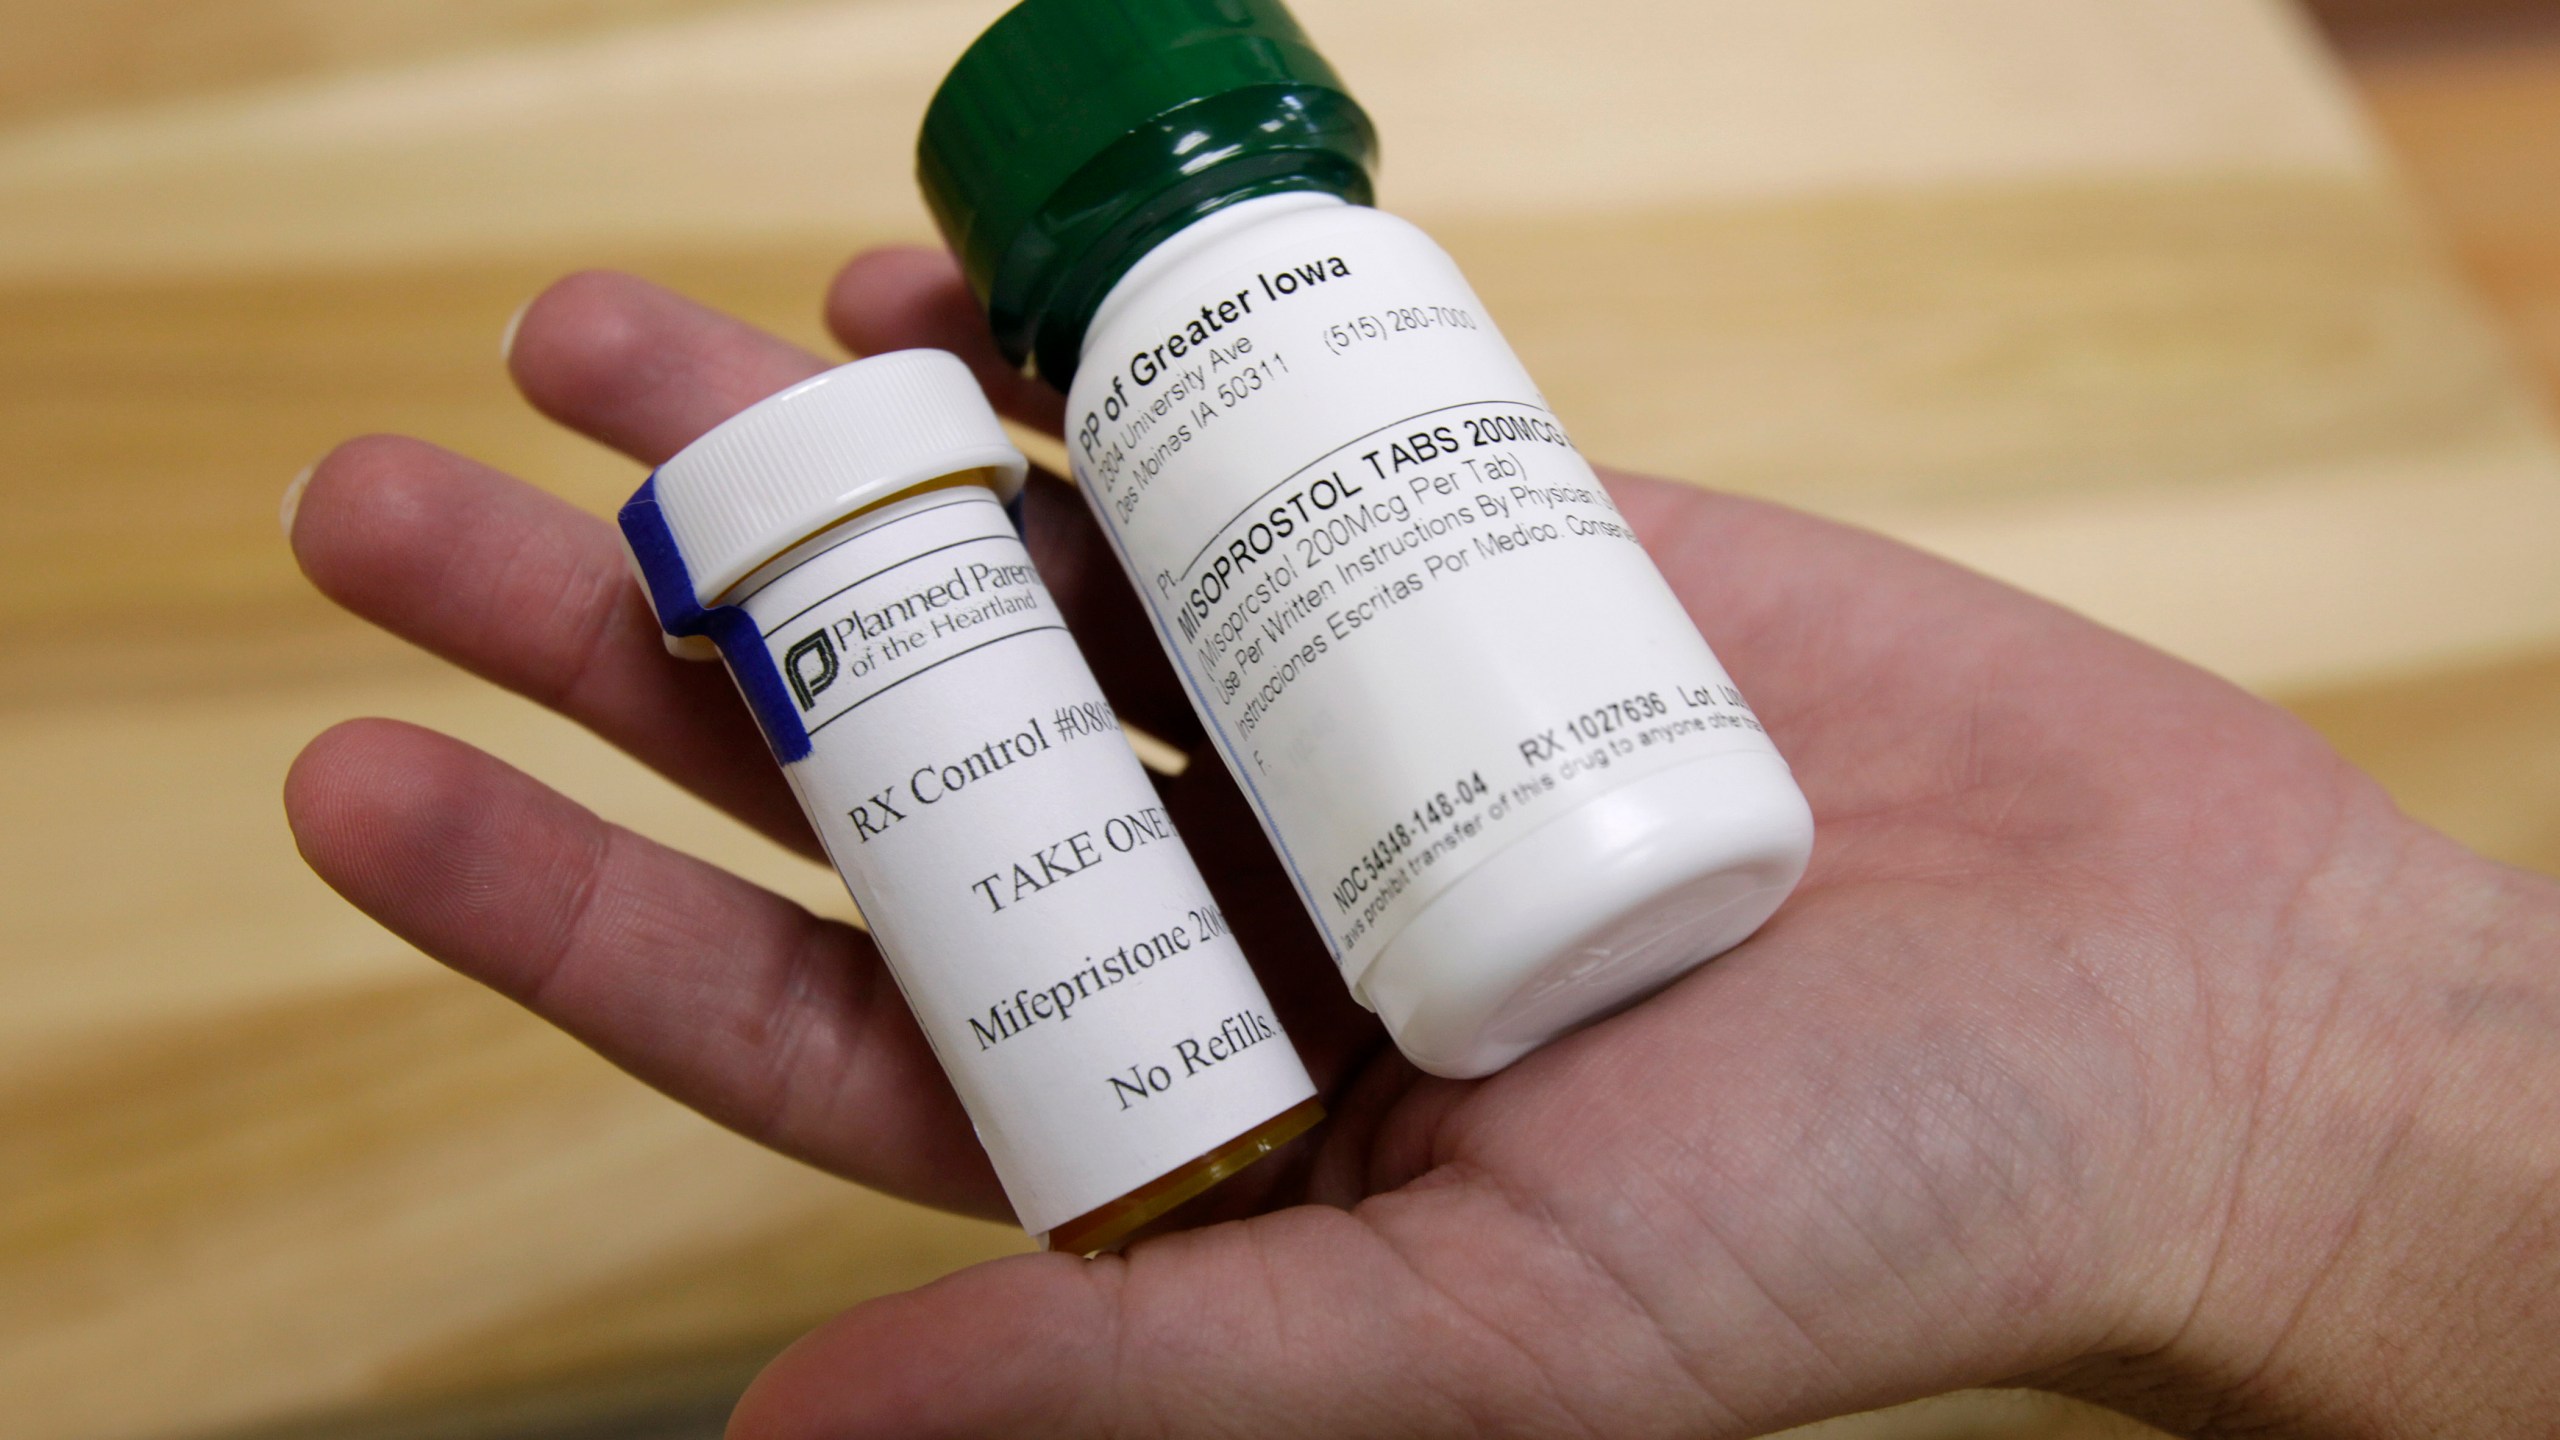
{"x": 1108, "y": 1225}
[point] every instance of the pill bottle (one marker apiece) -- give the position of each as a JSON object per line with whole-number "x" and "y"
{"x": 1511, "y": 783}
{"x": 843, "y": 546}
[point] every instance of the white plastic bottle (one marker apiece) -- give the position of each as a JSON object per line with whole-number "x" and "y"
{"x": 845, "y": 549}
{"x": 1511, "y": 783}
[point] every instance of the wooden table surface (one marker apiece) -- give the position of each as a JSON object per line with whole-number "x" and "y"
{"x": 2120, "y": 299}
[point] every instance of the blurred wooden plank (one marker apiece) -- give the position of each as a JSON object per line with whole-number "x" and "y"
{"x": 2253, "y": 421}
{"x": 769, "y": 123}
{"x": 157, "y": 423}
{"x": 399, "y": 1189}
{"x": 2473, "y": 751}
{"x": 2471, "y": 114}
{"x": 256, "y": 1157}
{"x": 2466, "y": 95}
{"x": 2032, "y": 379}
{"x": 2358, "y": 23}
{"x": 2099, "y": 269}
{"x": 100, "y": 54}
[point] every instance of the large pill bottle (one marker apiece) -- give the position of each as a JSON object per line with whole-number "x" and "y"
{"x": 1508, "y": 778}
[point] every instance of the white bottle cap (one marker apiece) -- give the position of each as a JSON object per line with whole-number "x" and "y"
{"x": 794, "y": 463}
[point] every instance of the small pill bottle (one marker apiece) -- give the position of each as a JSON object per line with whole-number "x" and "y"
{"x": 1515, "y": 789}
{"x": 844, "y": 547}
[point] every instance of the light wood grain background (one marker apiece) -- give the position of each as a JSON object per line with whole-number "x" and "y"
{"x": 2127, "y": 300}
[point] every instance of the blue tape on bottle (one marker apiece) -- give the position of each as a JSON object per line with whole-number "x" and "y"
{"x": 680, "y": 612}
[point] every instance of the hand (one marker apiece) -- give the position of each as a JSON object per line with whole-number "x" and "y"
{"x": 2122, "y": 1038}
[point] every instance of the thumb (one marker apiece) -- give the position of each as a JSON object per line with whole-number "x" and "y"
{"x": 1437, "y": 1310}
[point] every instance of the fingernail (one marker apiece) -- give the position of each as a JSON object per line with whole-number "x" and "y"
{"x": 293, "y": 497}
{"x": 507, "y": 338}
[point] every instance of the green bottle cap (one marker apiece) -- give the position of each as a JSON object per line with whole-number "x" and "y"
{"x": 1076, "y": 135}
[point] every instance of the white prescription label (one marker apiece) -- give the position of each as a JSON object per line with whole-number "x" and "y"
{"x": 1013, "y": 860}
{"x": 1410, "y": 616}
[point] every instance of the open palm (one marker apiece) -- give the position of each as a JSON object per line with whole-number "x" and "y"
{"x": 1989, "y": 1099}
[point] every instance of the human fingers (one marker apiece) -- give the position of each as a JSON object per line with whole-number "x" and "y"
{"x": 1775, "y": 1194}
{"x": 899, "y": 297}
{"x": 647, "y": 371}
{"x": 1397, "y": 1320}
{"x": 1449, "y": 1308}
{"x": 779, "y": 1025}
{"x": 641, "y": 368}
{"x": 908, "y": 297}
{"x": 528, "y": 591}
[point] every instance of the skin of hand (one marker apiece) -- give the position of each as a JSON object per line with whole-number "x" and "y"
{"x": 2123, "y": 1039}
